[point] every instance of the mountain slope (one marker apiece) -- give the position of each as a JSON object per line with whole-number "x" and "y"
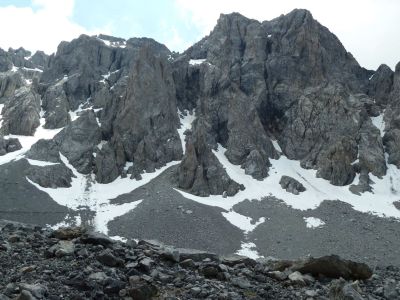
{"x": 275, "y": 109}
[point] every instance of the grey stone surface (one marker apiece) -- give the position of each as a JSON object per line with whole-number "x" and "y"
{"x": 291, "y": 185}
{"x": 21, "y": 113}
{"x": 200, "y": 172}
{"x": 78, "y": 141}
{"x": 9, "y": 145}
{"x": 53, "y": 176}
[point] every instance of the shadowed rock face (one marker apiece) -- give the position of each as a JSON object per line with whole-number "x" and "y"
{"x": 122, "y": 95}
{"x": 200, "y": 171}
{"x": 288, "y": 79}
{"x": 146, "y": 118}
{"x": 9, "y": 145}
{"x": 392, "y": 120}
{"x": 380, "y": 85}
{"x": 21, "y": 113}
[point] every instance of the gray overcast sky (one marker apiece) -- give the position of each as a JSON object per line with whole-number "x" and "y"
{"x": 370, "y": 29}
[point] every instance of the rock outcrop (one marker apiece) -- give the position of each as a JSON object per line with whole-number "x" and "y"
{"x": 391, "y": 118}
{"x": 291, "y": 185}
{"x": 200, "y": 171}
{"x": 9, "y": 145}
{"x": 22, "y": 113}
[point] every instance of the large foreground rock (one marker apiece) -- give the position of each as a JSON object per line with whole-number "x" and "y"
{"x": 333, "y": 267}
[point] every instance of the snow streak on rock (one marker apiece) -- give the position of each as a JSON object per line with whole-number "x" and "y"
{"x": 312, "y": 222}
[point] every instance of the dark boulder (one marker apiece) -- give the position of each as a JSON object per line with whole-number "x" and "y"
{"x": 9, "y": 145}
{"x": 291, "y": 185}
{"x": 333, "y": 267}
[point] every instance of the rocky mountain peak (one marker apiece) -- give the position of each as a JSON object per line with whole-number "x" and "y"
{"x": 256, "y": 91}
{"x": 257, "y": 127}
{"x": 227, "y": 21}
{"x": 299, "y": 16}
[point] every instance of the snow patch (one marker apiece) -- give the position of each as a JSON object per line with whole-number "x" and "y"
{"x": 128, "y": 164}
{"x": 242, "y": 222}
{"x": 276, "y": 146}
{"x": 40, "y": 163}
{"x": 195, "y": 62}
{"x": 1, "y": 115}
{"x": 101, "y": 144}
{"x": 108, "y": 212}
{"x": 75, "y": 114}
{"x": 119, "y": 238}
{"x": 379, "y": 123}
{"x": 249, "y": 250}
{"x": 312, "y": 222}
{"x": 186, "y": 120}
{"x": 33, "y": 70}
{"x": 106, "y": 76}
{"x": 77, "y": 222}
{"x": 62, "y": 80}
{"x": 119, "y": 44}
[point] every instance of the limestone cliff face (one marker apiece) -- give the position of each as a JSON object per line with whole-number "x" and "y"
{"x": 288, "y": 80}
